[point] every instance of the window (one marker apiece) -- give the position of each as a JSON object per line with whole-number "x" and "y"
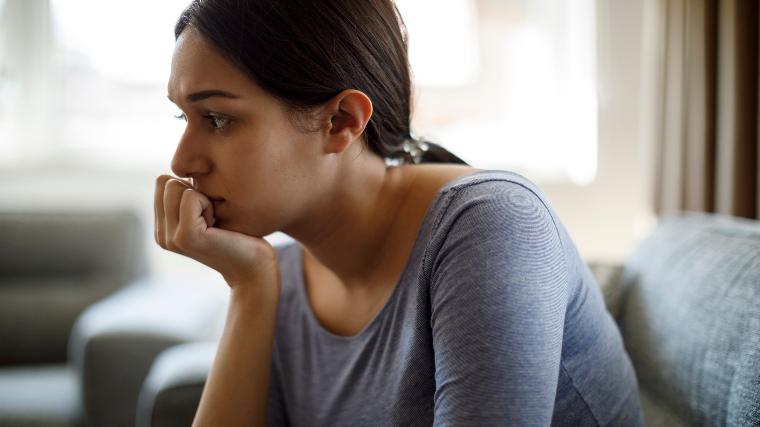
{"x": 88, "y": 79}
{"x": 505, "y": 84}
{"x": 525, "y": 98}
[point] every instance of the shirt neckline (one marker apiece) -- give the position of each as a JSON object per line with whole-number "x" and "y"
{"x": 397, "y": 289}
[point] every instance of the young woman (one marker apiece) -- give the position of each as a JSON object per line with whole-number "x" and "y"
{"x": 418, "y": 290}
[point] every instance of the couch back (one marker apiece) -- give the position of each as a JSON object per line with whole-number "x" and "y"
{"x": 52, "y": 266}
{"x": 690, "y": 318}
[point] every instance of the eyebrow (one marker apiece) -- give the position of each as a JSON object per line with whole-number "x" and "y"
{"x": 205, "y": 94}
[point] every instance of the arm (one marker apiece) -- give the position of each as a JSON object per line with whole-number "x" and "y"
{"x": 236, "y": 391}
{"x": 171, "y": 393}
{"x": 237, "y": 388}
{"x": 498, "y": 293}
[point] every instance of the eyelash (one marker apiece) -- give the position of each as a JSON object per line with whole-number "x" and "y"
{"x": 212, "y": 118}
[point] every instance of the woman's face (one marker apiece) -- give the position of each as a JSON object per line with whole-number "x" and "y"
{"x": 238, "y": 146}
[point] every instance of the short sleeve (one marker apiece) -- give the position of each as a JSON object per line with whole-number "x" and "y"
{"x": 498, "y": 296}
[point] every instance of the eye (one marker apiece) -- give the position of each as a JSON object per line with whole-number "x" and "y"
{"x": 217, "y": 122}
{"x": 181, "y": 116}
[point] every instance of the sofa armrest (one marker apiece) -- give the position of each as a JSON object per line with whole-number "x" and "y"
{"x": 172, "y": 391}
{"x": 608, "y": 277}
{"x": 115, "y": 342}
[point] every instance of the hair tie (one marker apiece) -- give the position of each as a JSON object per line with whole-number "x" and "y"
{"x": 412, "y": 151}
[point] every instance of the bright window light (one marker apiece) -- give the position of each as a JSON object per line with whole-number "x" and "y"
{"x": 130, "y": 42}
{"x": 507, "y": 84}
{"x": 531, "y": 106}
{"x": 433, "y": 41}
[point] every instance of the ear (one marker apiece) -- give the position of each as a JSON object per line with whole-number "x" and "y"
{"x": 347, "y": 114}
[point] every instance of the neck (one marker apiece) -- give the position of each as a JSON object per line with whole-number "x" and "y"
{"x": 350, "y": 231}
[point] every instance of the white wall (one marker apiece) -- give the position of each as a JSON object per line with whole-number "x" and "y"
{"x": 608, "y": 217}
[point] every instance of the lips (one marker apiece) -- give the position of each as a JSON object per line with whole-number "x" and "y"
{"x": 210, "y": 196}
{"x": 216, "y": 202}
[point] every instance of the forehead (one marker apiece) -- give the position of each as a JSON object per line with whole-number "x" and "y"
{"x": 198, "y": 65}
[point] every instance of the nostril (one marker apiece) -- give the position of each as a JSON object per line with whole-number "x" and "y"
{"x": 178, "y": 170}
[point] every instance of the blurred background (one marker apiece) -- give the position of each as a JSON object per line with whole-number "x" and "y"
{"x": 548, "y": 88}
{"x": 622, "y": 111}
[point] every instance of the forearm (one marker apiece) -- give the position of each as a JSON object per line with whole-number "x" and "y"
{"x": 237, "y": 387}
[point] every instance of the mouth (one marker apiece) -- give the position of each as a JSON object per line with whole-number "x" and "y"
{"x": 216, "y": 202}
{"x": 212, "y": 197}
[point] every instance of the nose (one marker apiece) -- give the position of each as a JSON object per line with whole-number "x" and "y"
{"x": 189, "y": 158}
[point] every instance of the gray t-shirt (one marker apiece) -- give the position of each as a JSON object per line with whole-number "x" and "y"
{"x": 496, "y": 320}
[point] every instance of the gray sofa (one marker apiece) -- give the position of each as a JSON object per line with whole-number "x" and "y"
{"x": 117, "y": 340}
{"x": 688, "y": 306}
{"x": 81, "y": 321}
{"x": 687, "y": 303}
{"x": 52, "y": 266}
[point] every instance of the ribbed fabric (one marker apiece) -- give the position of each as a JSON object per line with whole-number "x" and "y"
{"x": 496, "y": 320}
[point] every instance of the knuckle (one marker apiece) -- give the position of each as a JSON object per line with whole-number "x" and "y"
{"x": 174, "y": 188}
{"x": 172, "y": 184}
{"x": 160, "y": 242}
{"x": 157, "y": 235}
{"x": 184, "y": 191}
{"x": 161, "y": 180}
{"x": 187, "y": 195}
{"x": 171, "y": 245}
{"x": 182, "y": 239}
{"x": 178, "y": 183}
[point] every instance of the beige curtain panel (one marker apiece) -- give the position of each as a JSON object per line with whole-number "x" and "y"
{"x": 706, "y": 131}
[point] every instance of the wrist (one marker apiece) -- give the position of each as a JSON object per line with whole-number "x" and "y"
{"x": 256, "y": 293}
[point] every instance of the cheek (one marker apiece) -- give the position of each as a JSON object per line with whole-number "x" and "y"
{"x": 259, "y": 196}
{"x": 251, "y": 162}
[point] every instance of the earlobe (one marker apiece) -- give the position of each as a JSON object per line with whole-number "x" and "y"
{"x": 349, "y": 112}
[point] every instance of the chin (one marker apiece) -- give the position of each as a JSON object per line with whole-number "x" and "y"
{"x": 239, "y": 228}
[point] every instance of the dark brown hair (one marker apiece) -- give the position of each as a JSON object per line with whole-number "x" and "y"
{"x": 304, "y": 52}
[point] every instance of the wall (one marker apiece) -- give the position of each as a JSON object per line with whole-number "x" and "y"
{"x": 608, "y": 217}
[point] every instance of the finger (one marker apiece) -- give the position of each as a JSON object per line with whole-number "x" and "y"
{"x": 208, "y": 215}
{"x": 158, "y": 210}
{"x": 192, "y": 221}
{"x": 172, "y": 195}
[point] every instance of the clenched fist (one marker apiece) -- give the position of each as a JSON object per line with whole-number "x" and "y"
{"x": 184, "y": 223}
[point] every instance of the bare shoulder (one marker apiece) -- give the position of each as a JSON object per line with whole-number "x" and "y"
{"x": 423, "y": 183}
{"x": 430, "y": 177}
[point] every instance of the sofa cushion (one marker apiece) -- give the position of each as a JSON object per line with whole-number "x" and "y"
{"x": 71, "y": 243}
{"x": 691, "y": 318}
{"x": 39, "y": 396}
{"x": 657, "y": 413}
{"x": 115, "y": 341}
{"x": 52, "y": 266}
{"x": 608, "y": 278}
{"x": 172, "y": 391}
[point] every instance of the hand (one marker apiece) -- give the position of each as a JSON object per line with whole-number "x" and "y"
{"x": 184, "y": 223}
